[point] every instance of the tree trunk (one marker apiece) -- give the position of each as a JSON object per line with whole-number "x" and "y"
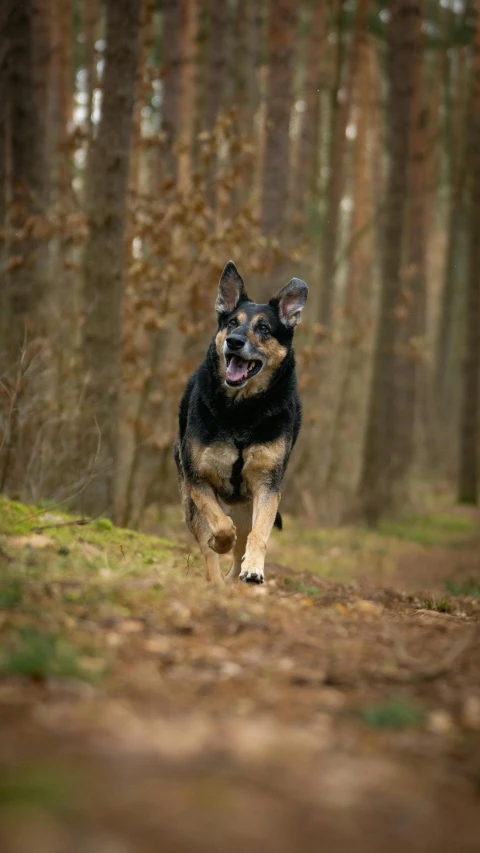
{"x": 349, "y": 420}
{"x": 411, "y": 309}
{"x": 4, "y": 181}
{"x": 470, "y": 413}
{"x": 376, "y": 489}
{"x": 90, "y": 29}
{"x": 215, "y": 85}
{"x": 276, "y": 163}
{"x": 23, "y": 290}
{"x": 142, "y": 91}
{"x": 339, "y": 118}
{"x": 456, "y": 153}
{"x": 105, "y": 252}
{"x": 186, "y": 105}
{"x": 306, "y": 177}
{"x": 172, "y": 61}
{"x": 255, "y": 38}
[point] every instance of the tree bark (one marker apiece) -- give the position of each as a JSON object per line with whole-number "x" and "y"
{"x": 456, "y": 153}
{"x": 186, "y": 105}
{"x": 359, "y": 297}
{"x": 339, "y": 118}
{"x": 172, "y": 61}
{"x": 105, "y": 252}
{"x": 90, "y": 29}
{"x": 470, "y": 412}
{"x": 306, "y": 177}
{"x": 4, "y": 182}
{"x": 411, "y": 310}
{"x": 276, "y": 163}
{"x": 215, "y": 85}
{"x": 377, "y": 488}
{"x": 23, "y": 290}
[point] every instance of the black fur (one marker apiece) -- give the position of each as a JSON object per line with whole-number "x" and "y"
{"x": 208, "y": 414}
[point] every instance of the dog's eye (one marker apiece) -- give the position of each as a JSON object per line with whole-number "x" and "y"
{"x": 232, "y": 323}
{"x": 263, "y": 329}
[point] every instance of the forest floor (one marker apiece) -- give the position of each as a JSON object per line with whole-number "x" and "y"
{"x": 335, "y": 708}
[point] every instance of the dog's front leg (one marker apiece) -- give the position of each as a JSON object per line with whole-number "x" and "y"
{"x": 265, "y": 506}
{"x": 222, "y": 527}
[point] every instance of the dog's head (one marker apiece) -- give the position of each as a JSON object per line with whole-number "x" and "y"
{"x": 253, "y": 340}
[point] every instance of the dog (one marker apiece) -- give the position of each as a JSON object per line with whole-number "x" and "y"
{"x": 239, "y": 418}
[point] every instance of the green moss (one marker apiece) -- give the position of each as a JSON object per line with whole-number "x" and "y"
{"x": 393, "y": 715}
{"x": 10, "y": 594}
{"x": 40, "y": 655}
{"x": 35, "y": 787}
{"x": 470, "y": 587}
{"x": 431, "y": 530}
{"x": 103, "y": 524}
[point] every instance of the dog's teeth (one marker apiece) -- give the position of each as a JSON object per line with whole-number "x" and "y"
{"x": 251, "y": 365}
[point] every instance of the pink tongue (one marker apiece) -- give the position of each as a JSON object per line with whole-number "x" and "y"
{"x": 237, "y": 369}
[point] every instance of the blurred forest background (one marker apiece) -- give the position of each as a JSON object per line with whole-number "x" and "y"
{"x": 144, "y": 143}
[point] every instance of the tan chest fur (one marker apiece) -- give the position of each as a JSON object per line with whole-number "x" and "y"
{"x": 216, "y": 463}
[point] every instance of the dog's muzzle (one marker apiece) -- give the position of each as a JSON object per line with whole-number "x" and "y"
{"x": 241, "y": 360}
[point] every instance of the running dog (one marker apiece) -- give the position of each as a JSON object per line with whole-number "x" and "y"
{"x": 239, "y": 419}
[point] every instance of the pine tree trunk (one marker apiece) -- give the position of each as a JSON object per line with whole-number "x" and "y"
{"x": 105, "y": 252}
{"x": 470, "y": 413}
{"x": 215, "y": 84}
{"x": 306, "y": 177}
{"x": 456, "y": 152}
{"x": 142, "y": 91}
{"x": 4, "y": 182}
{"x": 23, "y": 290}
{"x": 339, "y": 119}
{"x": 186, "y": 105}
{"x": 276, "y": 163}
{"x": 255, "y": 36}
{"x": 90, "y": 29}
{"x": 172, "y": 61}
{"x": 377, "y": 488}
{"x": 359, "y": 299}
{"x": 411, "y": 309}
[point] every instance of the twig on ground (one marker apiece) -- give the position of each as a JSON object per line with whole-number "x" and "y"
{"x": 77, "y": 522}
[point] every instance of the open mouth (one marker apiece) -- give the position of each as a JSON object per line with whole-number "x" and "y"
{"x": 239, "y": 369}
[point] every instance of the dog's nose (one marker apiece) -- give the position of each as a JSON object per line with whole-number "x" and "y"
{"x": 235, "y": 342}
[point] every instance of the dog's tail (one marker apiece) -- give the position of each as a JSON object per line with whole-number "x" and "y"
{"x": 278, "y": 521}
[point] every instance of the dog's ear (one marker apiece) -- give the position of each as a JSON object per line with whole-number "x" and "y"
{"x": 231, "y": 290}
{"x": 290, "y": 302}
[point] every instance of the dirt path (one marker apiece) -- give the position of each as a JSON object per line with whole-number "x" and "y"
{"x": 309, "y": 714}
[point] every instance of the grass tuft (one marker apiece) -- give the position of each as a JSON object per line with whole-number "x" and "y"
{"x": 298, "y": 586}
{"x": 39, "y": 656}
{"x": 393, "y": 715}
{"x": 440, "y": 606}
{"x": 470, "y": 587}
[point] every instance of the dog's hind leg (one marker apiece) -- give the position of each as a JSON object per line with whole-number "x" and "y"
{"x": 197, "y": 524}
{"x": 242, "y": 518}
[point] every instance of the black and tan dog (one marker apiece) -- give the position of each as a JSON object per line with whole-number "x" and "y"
{"x": 239, "y": 419}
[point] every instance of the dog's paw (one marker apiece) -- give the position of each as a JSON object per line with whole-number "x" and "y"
{"x": 223, "y": 540}
{"x": 251, "y": 577}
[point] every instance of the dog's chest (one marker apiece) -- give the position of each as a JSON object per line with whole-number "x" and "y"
{"x": 223, "y": 465}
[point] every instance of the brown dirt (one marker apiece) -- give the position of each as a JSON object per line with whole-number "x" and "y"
{"x": 305, "y": 715}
